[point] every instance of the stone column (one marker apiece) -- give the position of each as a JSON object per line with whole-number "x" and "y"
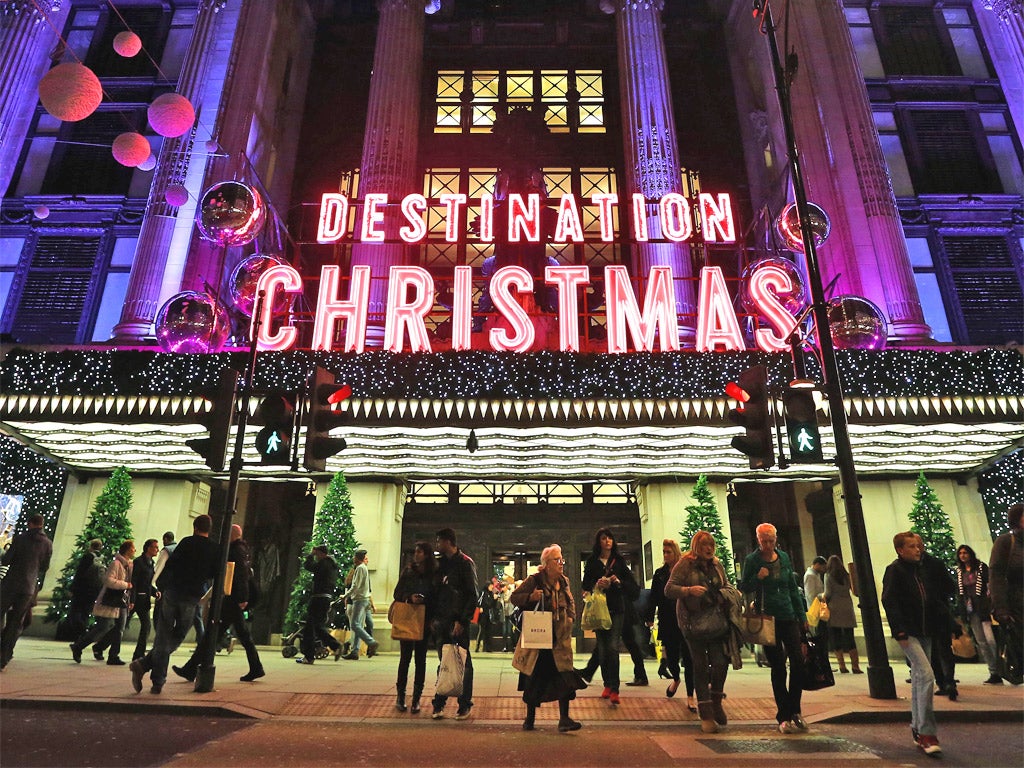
{"x": 651, "y": 149}
{"x": 1003, "y": 33}
{"x": 150, "y": 266}
{"x": 846, "y": 172}
{"x": 390, "y": 141}
{"x": 28, "y": 33}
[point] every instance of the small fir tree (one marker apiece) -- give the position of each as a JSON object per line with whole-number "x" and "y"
{"x": 333, "y": 529}
{"x": 929, "y": 521}
{"x": 703, "y": 516}
{"x": 109, "y": 523}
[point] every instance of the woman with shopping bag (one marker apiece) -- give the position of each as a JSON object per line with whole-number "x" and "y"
{"x": 414, "y": 595}
{"x": 546, "y": 673}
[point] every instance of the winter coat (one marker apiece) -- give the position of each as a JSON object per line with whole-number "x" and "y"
{"x": 616, "y": 594}
{"x": 28, "y": 558}
{"x": 118, "y": 577}
{"x": 915, "y": 605}
{"x": 560, "y": 604}
{"x": 668, "y": 625}
{"x": 782, "y": 599}
{"x": 840, "y": 604}
{"x": 456, "y": 593}
{"x": 414, "y": 582}
{"x": 976, "y": 600}
{"x": 325, "y": 575}
{"x": 1007, "y": 564}
{"x": 689, "y": 573}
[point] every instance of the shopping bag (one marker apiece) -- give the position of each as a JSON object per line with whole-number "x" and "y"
{"x": 451, "y": 670}
{"x": 814, "y": 613}
{"x": 406, "y": 620}
{"x": 538, "y": 631}
{"x": 817, "y": 665}
{"x": 595, "y": 612}
{"x": 825, "y": 613}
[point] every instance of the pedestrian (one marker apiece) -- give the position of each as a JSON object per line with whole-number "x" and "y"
{"x": 26, "y": 560}
{"x": 161, "y": 561}
{"x": 322, "y": 589}
{"x": 814, "y": 587}
{"x": 769, "y": 578}
{"x": 358, "y": 595}
{"x": 143, "y": 592}
{"x": 181, "y": 583}
{"x": 547, "y": 674}
{"x": 975, "y": 606}
{"x": 606, "y": 570}
{"x": 674, "y": 648}
{"x": 415, "y": 585}
{"x": 1007, "y": 587}
{"x": 913, "y": 609}
{"x": 842, "y": 618}
{"x": 702, "y": 614}
{"x": 85, "y": 588}
{"x": 111, "y": 610}
{"x": 456, "y": 601}
{"x": 941, "y": 581}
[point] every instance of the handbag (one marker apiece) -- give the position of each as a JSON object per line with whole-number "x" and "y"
{"x": 407, "y": 620}
{"x": 824, "y": 613}
{"x": 757, "y": 627}
{"x": 538, "y": 628}
{"x": 595, "y": 612}
{"x": 476, "y": 615}
{"x": 451, "y": 670}
{"x": 114, "y": 598}
{"x": 817, "y": 666}
{"x": 707, "y": 624}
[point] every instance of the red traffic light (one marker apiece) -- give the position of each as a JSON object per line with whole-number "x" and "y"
{"x": 736, "y": 392}
{"x": 343, "y": 393}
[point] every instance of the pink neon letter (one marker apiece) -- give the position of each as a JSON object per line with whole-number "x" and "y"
{"x": 640, "y": 218}
{"x": 403, "y": 314}
{"x": 604, "y": 203}
{"x": 329, "y": 309}
{"x": 487, "y": 217}
{"x": 523, "y": 216}
{"x": 568, "y": 221}
{"x": 717, "y": 218}
{"x": 568, "y": 279}
{"x": 462, "y": 309}
{"x": 451, "y": 204}
{"x": 372, "y": 217}
{"x": 675, "y": 217}
{"x": 282, "y": 277}
{"x": 523, "y": 332}
{"x": 716, "y": 319}
{"x": 413, "y": 207}
{"x": 659, "y": 310}
{"x": 764, "y": 286}
{"x": 333, "y": 215}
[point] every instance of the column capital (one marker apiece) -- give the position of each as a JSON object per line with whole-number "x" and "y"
{"x": 1005, "y": 9}
{"x": 624, "y": 6}
{"x": 14, "y": 8}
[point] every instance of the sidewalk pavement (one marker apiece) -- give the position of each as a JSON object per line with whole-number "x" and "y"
{"x": 42, "y": 672}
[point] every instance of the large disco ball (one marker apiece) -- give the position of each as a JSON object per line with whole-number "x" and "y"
{"x": 192, "y": 322}
{"x": 788, "y": 225}
{"x": 246, "y": 276}
{"x": 230, "y": 213}
{"x": 856, "y": 323}
{"x": 794, "y": 301}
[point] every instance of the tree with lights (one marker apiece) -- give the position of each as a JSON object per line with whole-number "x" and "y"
{"x": 703, "y": 516}
{"x": 929, "y": 521}
{"x": 333, "y": 529}
{"x": 109, "y": 523}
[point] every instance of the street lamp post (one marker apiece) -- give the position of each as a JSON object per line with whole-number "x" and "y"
{"x": 206, "y": 672}
{"x": 881, "y": 684}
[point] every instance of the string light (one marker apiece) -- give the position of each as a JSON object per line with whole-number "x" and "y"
{"x": 1000, "y": 486}
{"x": 41, "y": 482}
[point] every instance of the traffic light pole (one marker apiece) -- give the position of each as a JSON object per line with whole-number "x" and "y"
{"x": 881, "y": 684}
{"x": 206, "y": 672}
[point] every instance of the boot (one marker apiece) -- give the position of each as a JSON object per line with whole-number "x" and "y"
{"x": 707, "y": 717}
{"x": 716, "y": 708}
{"x": 566, "y": 723}
{"x": 417, "y": 690}
{"x": 855, "y": 662}
{"x": 531, "y": 715}
{"x": 400, "y": 698}
{"x": 842, "y": 662}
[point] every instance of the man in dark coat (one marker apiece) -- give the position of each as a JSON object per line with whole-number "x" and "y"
{"x": 85, "y": 588}
{"x": 325, "y": 584}
{"x": 26, "y": 561}
{"x": 456, "y": 602}
{"x": 144, "y": 592}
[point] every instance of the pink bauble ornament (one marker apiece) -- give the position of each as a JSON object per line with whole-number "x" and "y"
{"x": 176, "y": 195}
{"x": 41, "y": 212}
{"x": 171, "y": 115}
{"x": 230, "y": 213}
{"x": 131, "y": 149}
{"x": 127, "y": 43}
{"x": 70, "y": 92}
{"x": 192, "y": 322}
{"x": 148, "y": 164}
{"x": 245, "y": 277}
{"x": 794, "y": 301}
{"x": 856, "y": 323}
{"x": 788, "y": 225}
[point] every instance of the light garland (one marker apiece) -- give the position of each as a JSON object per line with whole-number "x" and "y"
{"x": 26, "y": 473}
{"x": 1000, "y": 486}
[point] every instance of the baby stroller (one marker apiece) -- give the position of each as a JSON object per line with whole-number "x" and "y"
{"x": 336, "y": 619}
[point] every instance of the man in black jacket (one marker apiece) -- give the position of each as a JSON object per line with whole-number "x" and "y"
{"x": 916, "y": 612}
{"x": 143, "y": 591}
{"x": 456, "y": 602}
{"x": 85, "y": 588}
{"x": 325, "y": 584}
{"x": 26, "y": 561}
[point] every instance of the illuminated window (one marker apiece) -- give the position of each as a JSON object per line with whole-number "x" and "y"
{"x": 572, "y": 101}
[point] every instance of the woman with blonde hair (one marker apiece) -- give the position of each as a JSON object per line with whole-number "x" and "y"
{"x": 702, "y": 612}
{"x": 548, "y": 674}
{"x": 674, "y": 648}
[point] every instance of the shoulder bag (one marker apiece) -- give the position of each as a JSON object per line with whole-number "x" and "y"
{"x": 757, "y": 627}
{"x": 407, "y": 620}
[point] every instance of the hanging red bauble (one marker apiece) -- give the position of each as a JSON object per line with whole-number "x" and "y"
{"x": 171, "y": 115}
{"x": 176, "y": 195}
{"x": 127, "y": 43}
{"x": 70, "y": 91}
{"x": 131, "y": 149}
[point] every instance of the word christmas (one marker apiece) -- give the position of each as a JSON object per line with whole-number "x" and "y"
{"x": 411, "y": 292}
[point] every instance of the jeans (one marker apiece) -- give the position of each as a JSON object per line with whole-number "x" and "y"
{"x": 412, "y": 649}
{"x": 13, "y": 606}
{"x": 985, "y": 639}
{"x": 315, "y": 628}
{"x": 918, "y": 651}
{"x": 142, "y": 611}
{"x": 466, "y": 699}
{"x": 177, "y": 613}
{"x": 106, "y": 633}
{"x": 787, "y": 646}
{"x": 608, "y": 652}
{"x": 359, "y": 609}
{"x": 710, "y": 666}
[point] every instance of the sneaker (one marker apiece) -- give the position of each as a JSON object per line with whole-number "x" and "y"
{"x": 351, "y": 656}
{"x": 606, "y": 692}
{"x": 786, "y": 726}
{"x": 994, "y": 680}
{"x": 916, "y": 736}
{"x": 303, "y": 660}
{"x": 613, "y": 699}
{"x": 929, "y": 744}
{"x": 799, "y": 722}
{"x": 463, "y": 713}
{"x": 137, "y": 674}
{"x": 438, "y": 713}
{"x": 76, "y": 653}
{"x": 371, "y": 649}
{"x": 98, "y": 655}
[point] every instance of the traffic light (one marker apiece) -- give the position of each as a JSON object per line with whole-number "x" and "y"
{"x": 802, "y": 427}
{"x": 324, "y": 394}
{"x": 274, "y": 441}
{"x": 218, "y": 422}
{"x": 752, "y": 392}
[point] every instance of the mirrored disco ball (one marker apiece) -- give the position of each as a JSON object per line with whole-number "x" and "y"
{"x": 244, "y": 279}
{"x": 794, "y": 301}
{"x": 192, "y": 322}
{"x": 788, "y": 225}
{"x": 856, "y": 323}
{"x": 230, "y": 213}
